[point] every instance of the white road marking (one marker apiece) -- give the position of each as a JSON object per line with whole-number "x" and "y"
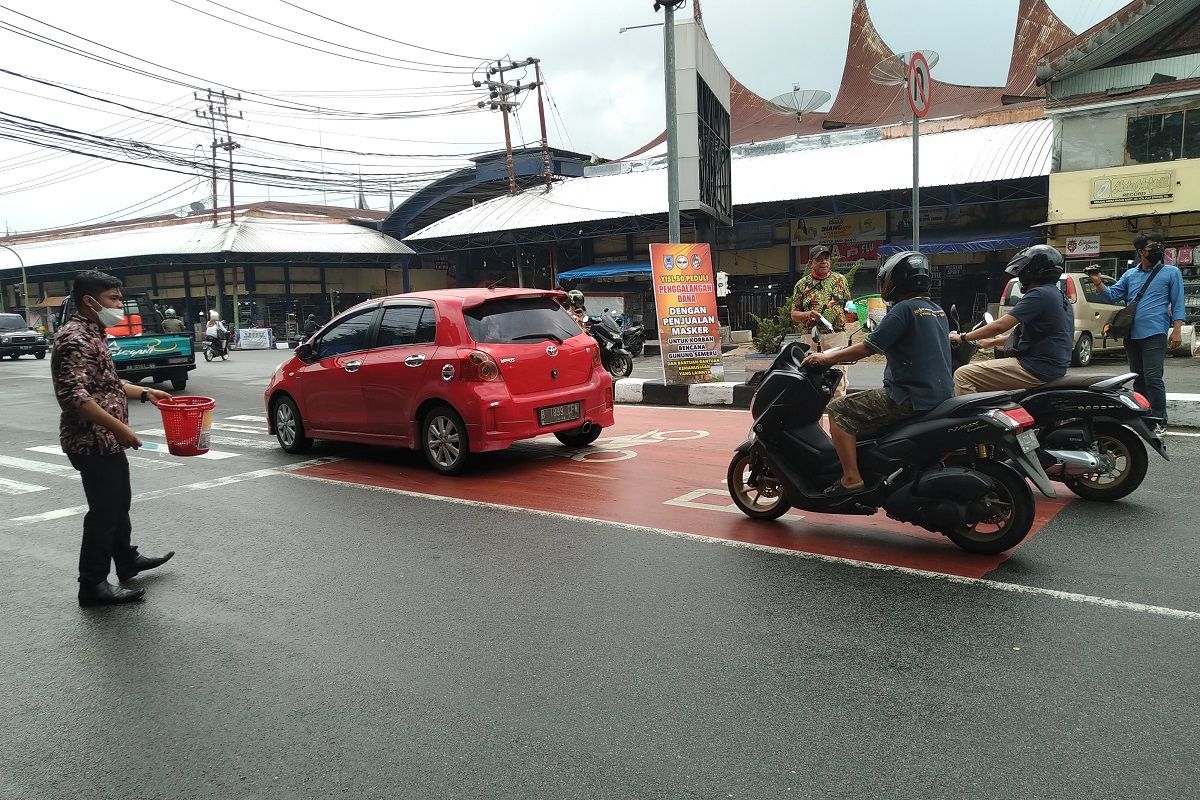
{"x": 16, "y": 487}
{"x": 247, "y": 418}
{"x": 1181, "y": 433}
{"x": 43, "y": 467}
{"x": 691, "y": 500}
{"x": 74, "y": 511}
{"x": 161, "y": 449}
{"x": 584, "y": 474}
{"x": 223, "y": 426}
{"x": 143, "y": 461}
{"x": 228, "y": 441}
{"x": 984, "y": 583}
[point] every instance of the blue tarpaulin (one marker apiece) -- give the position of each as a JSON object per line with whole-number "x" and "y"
{"x": 612, "y": 269}
{"x": 968, "y": 243}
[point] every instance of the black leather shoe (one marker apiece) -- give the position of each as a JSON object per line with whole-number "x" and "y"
{"x": 144, "y": 563}
{"x": 105, "y": 594}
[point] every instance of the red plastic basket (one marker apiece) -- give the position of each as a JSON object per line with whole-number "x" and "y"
{"x": 187, "y": 422}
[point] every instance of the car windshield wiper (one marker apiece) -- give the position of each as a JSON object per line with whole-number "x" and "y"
{"x": 537, "y": 336}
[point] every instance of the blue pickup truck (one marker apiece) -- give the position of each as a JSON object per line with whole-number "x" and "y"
{"x": 141, "y": 349}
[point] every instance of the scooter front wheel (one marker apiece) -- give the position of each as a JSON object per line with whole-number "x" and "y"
{"x": 208, "y": 354}
{"x": 620, "y": 365}
{"x": 754, "y": 489}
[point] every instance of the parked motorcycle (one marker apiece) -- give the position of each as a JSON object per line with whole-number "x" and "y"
{"x": 613, "y": 355}
{"x": 633, "y": 335}
{"x": 1092, "y": 430}
{"x": 982, "y": 505}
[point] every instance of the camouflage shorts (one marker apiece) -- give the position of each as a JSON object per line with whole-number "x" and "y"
{"x": 870, "y": 409}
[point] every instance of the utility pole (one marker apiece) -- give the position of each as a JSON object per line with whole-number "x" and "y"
{"x": 668, "y": 7}
{"x": 218, "y": 110}
{"x": 537, "y": 64}
{"x": 499, "y": 94}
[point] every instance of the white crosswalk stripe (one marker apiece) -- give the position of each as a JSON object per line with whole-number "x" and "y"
{"x": 28, "y": 465}
{"x": 227, "y": 441}
{"x": 224, "y": 426}
{"x": 161, "y": 449}
{"x": 17, "y": 487}
{"x": 247, "y": 418}
{"x": 156, "y": 462}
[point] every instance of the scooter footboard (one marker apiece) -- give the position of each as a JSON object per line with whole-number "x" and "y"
{"x": 942, "y": 500}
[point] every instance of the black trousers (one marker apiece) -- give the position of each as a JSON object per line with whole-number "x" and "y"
{"x": 106, "y": 528}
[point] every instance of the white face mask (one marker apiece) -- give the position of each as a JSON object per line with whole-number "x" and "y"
{"x": 109, "y": 317}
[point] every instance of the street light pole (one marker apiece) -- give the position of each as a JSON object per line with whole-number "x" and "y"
{"x": 24, "y": 282}
{"x": 668, "y": 7}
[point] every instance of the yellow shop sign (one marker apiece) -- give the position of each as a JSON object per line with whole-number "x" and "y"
{"x": 1147, "y": 187}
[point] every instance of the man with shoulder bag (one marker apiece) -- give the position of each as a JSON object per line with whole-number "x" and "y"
{"x": 1153, "y": 292}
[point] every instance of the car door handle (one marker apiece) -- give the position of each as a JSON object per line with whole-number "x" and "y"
{"x": 352, "y": 366}
{"x": 414, "y": 361}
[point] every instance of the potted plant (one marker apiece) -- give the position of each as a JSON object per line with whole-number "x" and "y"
{"x": 768, "y": 339}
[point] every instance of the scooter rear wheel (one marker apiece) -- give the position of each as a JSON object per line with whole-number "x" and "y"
{"x": 1129, "y": 460}
{"x": 208, "y": 354}
{"x": 1012, "y": 505}
{"x": 754, "y": 490}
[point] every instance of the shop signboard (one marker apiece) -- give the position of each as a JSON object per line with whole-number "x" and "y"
{"x": 1143, "y": 188}
{"x": 848, "y": 251}
{"x": 1082, "y": 246}
{"x": 844, "y": 228}
{"x": 685, "y": 297}
{"x": 254, "y": 338}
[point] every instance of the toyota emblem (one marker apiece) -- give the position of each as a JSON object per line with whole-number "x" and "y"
{"x": 551, "y": 350}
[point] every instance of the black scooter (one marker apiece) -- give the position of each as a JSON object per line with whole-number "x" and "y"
{"x": 982, "y": 505}
{"x": 1090, "y": 429}
{"x": 613, "y": 355}
{"x": 633, "y": 335}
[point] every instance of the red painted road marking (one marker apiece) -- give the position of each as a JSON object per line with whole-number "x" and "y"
{"x": 660, "y": 479}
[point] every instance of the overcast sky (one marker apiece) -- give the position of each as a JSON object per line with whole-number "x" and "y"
{"x": 606, "y": 87}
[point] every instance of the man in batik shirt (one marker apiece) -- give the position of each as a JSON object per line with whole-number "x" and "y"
{"x": 94, "y": 432}
{"x": 822, "y": 293}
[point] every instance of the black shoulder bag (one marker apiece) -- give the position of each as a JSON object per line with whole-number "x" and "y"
{"x": 1121, "y": 322}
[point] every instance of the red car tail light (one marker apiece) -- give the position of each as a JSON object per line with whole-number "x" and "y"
{"x": 595, "y": 357}
{"x": 477, "y": 365}
{"x": 1070, "y": 290}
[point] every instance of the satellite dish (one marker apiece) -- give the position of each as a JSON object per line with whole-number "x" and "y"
{"x": 893, "y": 71}
{"x": 798, "y": 101}
{"x": 197, "y": 206}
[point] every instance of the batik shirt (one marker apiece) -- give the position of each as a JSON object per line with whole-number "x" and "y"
{"x": 82, "y": 369}
{"x": 827, "y": 296}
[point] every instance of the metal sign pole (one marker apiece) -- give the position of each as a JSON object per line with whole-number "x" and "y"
{"x": 672, "y": 127}
{"x": 916, "y": 194}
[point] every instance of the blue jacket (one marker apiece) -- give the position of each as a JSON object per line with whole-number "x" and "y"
{"x": 1162, "y": 304}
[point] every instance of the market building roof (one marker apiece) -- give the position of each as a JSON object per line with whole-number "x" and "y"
{"x": 837, "y": 164}
{"x": 859, "y": 102}
{"x": 260, "y": 228}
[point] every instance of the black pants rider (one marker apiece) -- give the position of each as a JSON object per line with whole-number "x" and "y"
{"x": 106, "y": 528}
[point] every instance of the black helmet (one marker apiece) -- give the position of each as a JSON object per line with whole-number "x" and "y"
{"x": 904, "y": 275}
{"x": 1041, "y": 263}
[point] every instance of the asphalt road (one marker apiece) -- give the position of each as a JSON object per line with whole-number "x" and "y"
{"x": 322, "y": 639}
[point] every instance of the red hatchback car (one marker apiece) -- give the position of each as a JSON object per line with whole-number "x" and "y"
{"x": 453, "y": 372}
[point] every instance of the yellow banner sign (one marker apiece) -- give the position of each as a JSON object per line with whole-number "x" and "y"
{"x": 685, "y": 297}
{"x": 1144, "y": 188}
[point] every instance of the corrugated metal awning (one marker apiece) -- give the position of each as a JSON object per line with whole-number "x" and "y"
{"x": 609, "y": 270}
{"x": 975, "y": 155}
{"x": 968, "y": 243}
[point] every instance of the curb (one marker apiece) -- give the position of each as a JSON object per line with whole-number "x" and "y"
{"x": 1183, "y": 410}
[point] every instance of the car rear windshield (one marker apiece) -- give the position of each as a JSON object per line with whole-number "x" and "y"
{"x": 1013, "y": 293}
{"x": 520, "y": 319}
{"x": 12, "y": 322}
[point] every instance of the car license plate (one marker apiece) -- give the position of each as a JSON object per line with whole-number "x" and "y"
{"x": 1028, "y": 441}
{"x": 556, "y": 414}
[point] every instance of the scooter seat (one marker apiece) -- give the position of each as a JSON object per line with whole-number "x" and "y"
{"x": 947, "y": 408}
{"x": 1075, "y": 380}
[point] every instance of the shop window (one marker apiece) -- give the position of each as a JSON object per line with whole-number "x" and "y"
{"x": 1155, "y": 138}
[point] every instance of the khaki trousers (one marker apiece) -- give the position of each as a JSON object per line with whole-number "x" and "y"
{"x": 828, "y": 342}
{"x": 993, "y": 376}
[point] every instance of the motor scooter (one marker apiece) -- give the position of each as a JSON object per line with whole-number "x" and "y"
{"x": 983, "y": 505}
{"x": 1092, "y": 430}
{"x": 613, "y": 355}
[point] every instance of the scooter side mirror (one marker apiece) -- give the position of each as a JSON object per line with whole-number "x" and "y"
{"x": 988, "y": 319}
{"x": 954, "y": 315}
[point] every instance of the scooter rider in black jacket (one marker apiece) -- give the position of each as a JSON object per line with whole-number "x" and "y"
{"x": 914, "y": 337}
{"x": 1045, "y": 330}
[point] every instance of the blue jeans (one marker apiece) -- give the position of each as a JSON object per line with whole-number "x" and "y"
{"x": 1146, "y": 357}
